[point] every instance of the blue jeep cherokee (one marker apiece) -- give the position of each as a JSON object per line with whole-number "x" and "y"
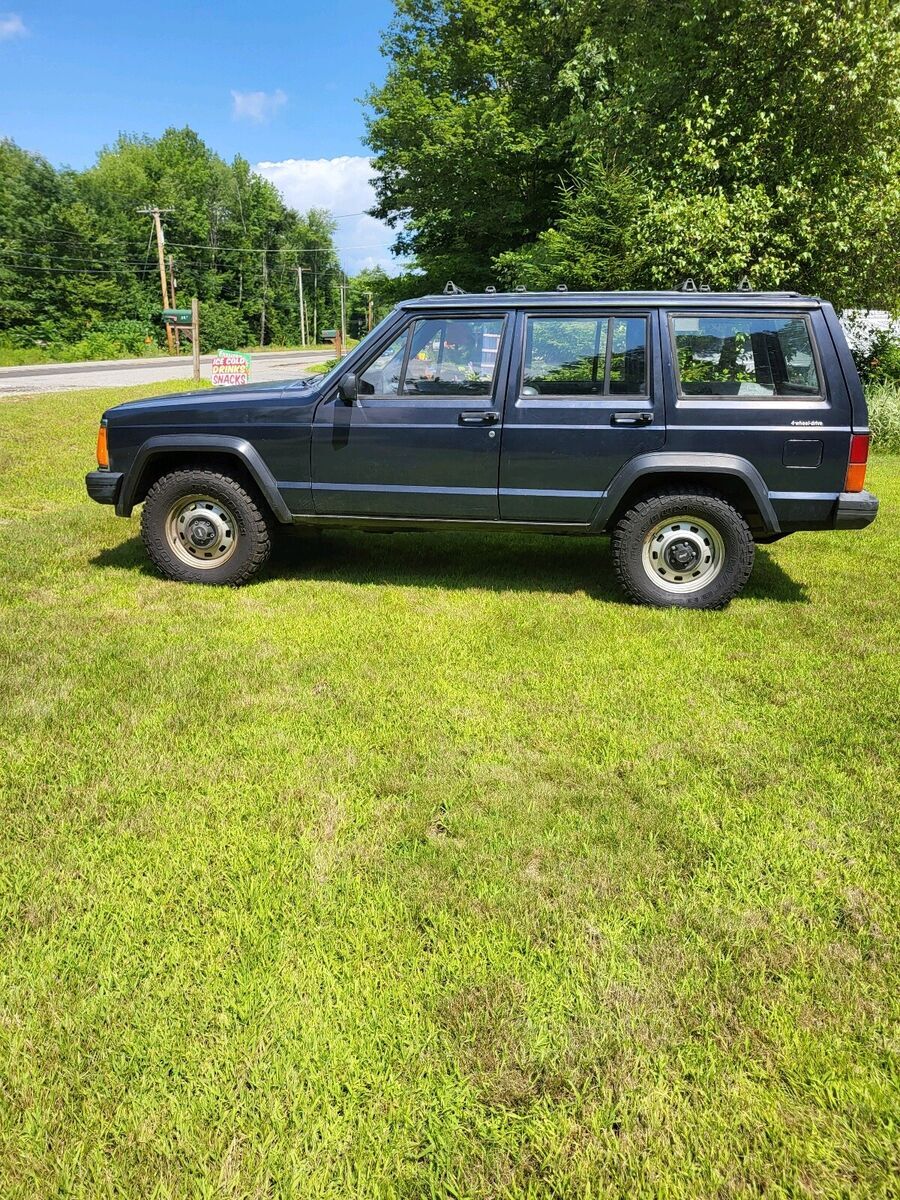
{"x": 687, "y": 425}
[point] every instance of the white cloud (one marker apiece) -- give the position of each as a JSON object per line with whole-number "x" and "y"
{"x": 256, "y": 106}
{"x": 11, "y": 26}
{"x": 343, "y": 186}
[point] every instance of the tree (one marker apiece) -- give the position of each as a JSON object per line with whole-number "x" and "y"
{"x": 75, "y": 254}
{"x": 679, "y": 139}
{"x": 470, "y": 131}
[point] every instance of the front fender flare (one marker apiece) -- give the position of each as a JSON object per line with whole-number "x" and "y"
{"x": 669, "y": 462}
{"x": 236, "y": 447}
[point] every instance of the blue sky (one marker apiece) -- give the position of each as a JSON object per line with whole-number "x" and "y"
{"x": 278, "y": 83}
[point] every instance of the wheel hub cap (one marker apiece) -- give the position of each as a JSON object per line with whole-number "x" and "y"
{"x": 683, "y": 554}
{"x": 201, "y": 531}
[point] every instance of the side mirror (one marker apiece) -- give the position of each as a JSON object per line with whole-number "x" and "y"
{"x": 347, "y": 389}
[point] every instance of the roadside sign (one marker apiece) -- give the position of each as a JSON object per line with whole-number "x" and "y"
{"x": 230, "y": 369}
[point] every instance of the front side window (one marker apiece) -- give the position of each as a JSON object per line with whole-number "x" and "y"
{"x": 436, "y": 357}
{"x": 744, "y": 356}
{"x": 452, "y": 356}
{"x": 585, "y": 356}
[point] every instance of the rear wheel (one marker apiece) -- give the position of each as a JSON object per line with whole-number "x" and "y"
{"x": 683, "y": 550}
{"x": 205, "y": 527}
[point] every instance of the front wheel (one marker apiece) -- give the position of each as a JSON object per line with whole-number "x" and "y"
{"x": 204, "y": 527}
{"x": 682, "y": 550}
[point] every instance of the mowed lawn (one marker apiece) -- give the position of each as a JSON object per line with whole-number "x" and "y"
{"x": 426, "y": 867}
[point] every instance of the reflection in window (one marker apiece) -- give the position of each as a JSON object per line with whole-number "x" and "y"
{"x": 745, "y": 356}
{"x": 585, "y": 356}
{"x": 628, "y": 360}
{"x": 566, "y": 357}
{"x": 382, "y": 377}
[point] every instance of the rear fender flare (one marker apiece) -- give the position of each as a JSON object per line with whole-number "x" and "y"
{"x": 671, "y": 463}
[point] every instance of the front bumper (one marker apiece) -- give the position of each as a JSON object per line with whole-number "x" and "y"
{"x": 855, "y": 510}
{"x": 103, "y": 486}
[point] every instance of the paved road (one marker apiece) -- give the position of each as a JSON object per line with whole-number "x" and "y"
{"x": 64, "y": 377}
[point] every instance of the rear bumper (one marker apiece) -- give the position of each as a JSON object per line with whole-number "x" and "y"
{"x": 855, "y": 510}
{"x": 103, "y": 486}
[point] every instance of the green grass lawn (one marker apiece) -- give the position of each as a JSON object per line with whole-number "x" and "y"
{"x": 426, "y": 867}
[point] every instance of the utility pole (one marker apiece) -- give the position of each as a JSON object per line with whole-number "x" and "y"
{"x": 370, "y": 313}
{"x": 265, "y": 284}
{"x": 304, "y": 328}
{"x": 156, "y": 214}
{"x": 315, "y": 307}
{"x": 195, "y": 337}
{"x": 174, "y": 303}
{"x": 343, "y": 319}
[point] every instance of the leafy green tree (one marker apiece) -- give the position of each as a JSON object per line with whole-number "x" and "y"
{"x": 76, "y": 254}
{"x": 471, "y": 130}
{"x": 669, "y": 140}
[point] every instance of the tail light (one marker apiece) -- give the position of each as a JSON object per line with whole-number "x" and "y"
{"x": 856, "y": 467}
{"x": 102, "y": 450}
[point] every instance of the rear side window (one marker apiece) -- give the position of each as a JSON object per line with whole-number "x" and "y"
{"x": 585, "y": 356}
{"x": 744, "y": 356}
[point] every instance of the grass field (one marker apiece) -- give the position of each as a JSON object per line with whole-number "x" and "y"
{"x": 426, "y": 867}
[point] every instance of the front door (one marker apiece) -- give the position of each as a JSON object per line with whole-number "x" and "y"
{"x": 585, "y": 395}
{"x": 423, "y": 438}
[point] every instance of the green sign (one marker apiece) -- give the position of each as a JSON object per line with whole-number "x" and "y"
{"x": 177, "y": 316}
{"x": 328, "y": 335}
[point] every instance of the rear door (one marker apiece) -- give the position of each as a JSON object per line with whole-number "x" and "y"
{"x": 584, "y": 396}
{"x": 423, "y": 440}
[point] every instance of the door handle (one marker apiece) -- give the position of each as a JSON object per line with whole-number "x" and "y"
{"x": 479, "y": 417}
{"x": 632, "y": 418}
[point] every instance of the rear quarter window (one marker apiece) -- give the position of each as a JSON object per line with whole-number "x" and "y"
{"x": 744, "y": 356}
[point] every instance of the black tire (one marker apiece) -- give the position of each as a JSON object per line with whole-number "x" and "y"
{"x": 719, "y": 545}
{"x": 227, "y": 507}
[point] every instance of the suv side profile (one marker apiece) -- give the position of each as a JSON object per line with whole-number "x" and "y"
{"x": 687, "y": 425}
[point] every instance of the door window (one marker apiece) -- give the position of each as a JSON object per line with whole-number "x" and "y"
{"x": 452, "y": 356}
{"x": 585, "y": 356}
{"x": 745, "y": 356}
{"x": 437, "y": 356}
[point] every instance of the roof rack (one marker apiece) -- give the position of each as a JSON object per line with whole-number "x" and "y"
{"x": 450, "y": 289}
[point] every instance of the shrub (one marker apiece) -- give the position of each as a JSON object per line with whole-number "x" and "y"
{"x": 221, "y": 327}
{"x": 131, "y": 335}
{"x": 879, "y": 360}
{"x": 883, "y": 400}
{"x": 94, "y": 346}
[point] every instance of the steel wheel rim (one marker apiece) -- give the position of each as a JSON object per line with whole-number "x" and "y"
{"x": 201, "y": 531}
{"x": 683, "y": 554}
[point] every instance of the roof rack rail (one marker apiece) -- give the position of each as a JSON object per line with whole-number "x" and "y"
{"x": 688, "y": 286}
{"x": 744, "y": 284}
{"x": 490, "y": 289}
{"x": 561, "y": 287}
{"x": 450, "y": 289}
{"x": 521, "y": 288}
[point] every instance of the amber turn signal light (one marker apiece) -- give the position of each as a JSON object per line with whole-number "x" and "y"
{"x": 856, "y": 467}
{"x": 102, "y": 451}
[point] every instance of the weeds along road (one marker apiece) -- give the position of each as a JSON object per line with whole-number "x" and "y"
{"x": 275, "y": 365}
